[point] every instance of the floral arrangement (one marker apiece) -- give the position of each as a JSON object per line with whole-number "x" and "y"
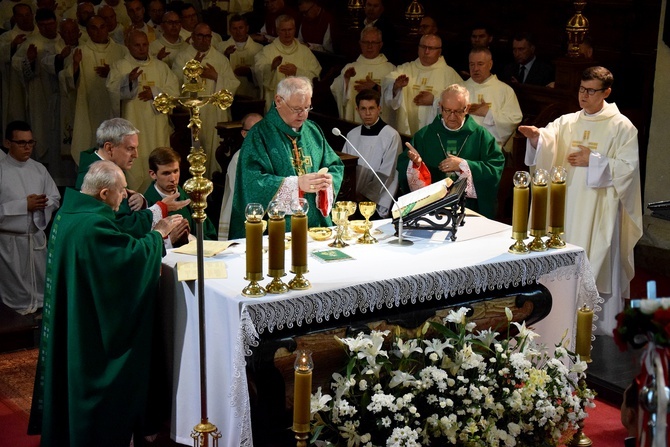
{"x": 645, "y": 321}
{"x": 461, "y": 388}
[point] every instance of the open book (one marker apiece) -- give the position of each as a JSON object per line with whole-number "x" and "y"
{"x": 422, "y": 197}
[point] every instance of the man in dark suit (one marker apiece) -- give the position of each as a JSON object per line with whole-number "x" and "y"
{"x": 527, "y": 68}
{"x": 374, "y": 16}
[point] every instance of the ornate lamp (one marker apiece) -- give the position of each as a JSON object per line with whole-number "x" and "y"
{"x": 355, "y": 8}
{"x": 413, "y": 14}
{"x": 577, "y": 28}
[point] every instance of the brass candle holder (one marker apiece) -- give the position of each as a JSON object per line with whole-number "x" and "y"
{"x": 538, "y": 214}
{"x": 520, "y": 213}
{"x": 276, "y": 247}
{"x": 299, "y": 208}
{"x": 254, "y": 251}
{"x": 557, "y": 207}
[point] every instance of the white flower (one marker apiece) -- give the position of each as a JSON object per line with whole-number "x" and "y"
{"x": 363, "y": 385}
{"x": 401, "y": 378}
{"x": 458, "y": 316}
{"x": 487, "y": 336}
{"x": 406, "y": 347}
{"x": 319, "y": 401}
{"x": 509, "y": 314}
{"x": 525, "y": 333}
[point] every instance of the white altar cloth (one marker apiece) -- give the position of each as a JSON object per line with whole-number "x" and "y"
{"x": 380, "y": 275}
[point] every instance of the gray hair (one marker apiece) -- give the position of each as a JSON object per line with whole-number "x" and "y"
{"x": 101, "y": 174}
{"x": 372, "y": 29}
{"x": 284, "y": 18}
{"x": 458, "y": 90}
{"x": 294, "y": 86}
{"x": 114, "y": 131}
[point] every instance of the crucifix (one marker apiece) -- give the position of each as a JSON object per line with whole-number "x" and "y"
{"x": 198, "y": 188}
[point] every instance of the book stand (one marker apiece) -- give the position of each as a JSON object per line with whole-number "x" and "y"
{"x": 447, "y": 213}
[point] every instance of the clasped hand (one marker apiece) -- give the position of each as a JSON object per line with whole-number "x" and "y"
{"x": 315, "y": 182}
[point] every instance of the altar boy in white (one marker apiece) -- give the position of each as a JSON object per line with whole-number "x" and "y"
{"x": 598, "y": 148}
{"x": 380, "y": 144}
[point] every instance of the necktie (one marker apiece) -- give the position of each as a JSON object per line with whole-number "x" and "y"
{"x": 522, "y": 72}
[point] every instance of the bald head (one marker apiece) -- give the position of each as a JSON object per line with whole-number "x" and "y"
{"x": 97, "y": 30}
{"x": 85, "y": 10}
{"x": 69, "y": 32}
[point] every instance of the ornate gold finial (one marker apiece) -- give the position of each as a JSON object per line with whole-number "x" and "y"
{"x": 577, "y": 28}
{"x": 413, "y": 14}
{"x": 355, "y": 8}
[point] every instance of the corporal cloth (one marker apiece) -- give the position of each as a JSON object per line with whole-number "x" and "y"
{"x": 471, "y": 142}
{"x": 22, "y": 239}
{"x": 603, "y": 200}
{"x": 266, "y": 169}
{"x": 434, "y": 79}
{"x": 92, "y": 375}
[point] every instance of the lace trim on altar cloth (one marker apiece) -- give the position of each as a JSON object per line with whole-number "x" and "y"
{"x": 246, "y": 338}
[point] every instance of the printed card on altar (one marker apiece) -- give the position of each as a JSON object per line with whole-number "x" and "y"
{"x": 209, "y": 248}
{"x": 331, "y": 255}
{"x": 188, "y": 271}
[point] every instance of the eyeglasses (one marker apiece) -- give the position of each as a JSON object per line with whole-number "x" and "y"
{"x": 370, "y": 42}
{"x": 426, "y": 47}
{"x": 449, "y": 112}
{"x": 297, "y": 110}
{"x": 590, "y": 91}
{"x": 24, "y": 144}
{"x": 203, "y": 36}
{"x": 171, "y": 22}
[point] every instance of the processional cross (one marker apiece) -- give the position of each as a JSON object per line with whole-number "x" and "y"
{"x": 198, "y": 188}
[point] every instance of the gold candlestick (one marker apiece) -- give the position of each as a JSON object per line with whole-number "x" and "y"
{"x": 520, "y": 212}
{"x": 538, "y": 210}
{"x": 254, "y": 250}
{"x": 276, "y": 247}
{"x": 557, "y": 207}
{"x": 302, "y": 396}
{"x": 584, "y": 329}
{"x": 299, "y": 207}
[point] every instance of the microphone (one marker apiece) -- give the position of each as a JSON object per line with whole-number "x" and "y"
{"x": 400, "y": 240}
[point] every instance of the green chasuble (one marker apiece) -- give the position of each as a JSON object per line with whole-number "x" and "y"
{"x": 136, "y": 223}
{"x": 471, "y": 142}
{"x": 152, "y": 195}
{"x": 267, "y": 159}
{"x": 93, "y": 369}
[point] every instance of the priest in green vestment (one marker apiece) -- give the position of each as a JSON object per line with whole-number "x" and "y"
{"x": 164, "y": 171}
{"x": 117, "y": 142}
{"x": 93, "y": 370}
{"x": 281, "y": 157}
{"x": 455, "y": 145}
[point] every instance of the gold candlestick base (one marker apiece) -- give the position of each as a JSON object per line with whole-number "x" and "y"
{"x": 556, "y": 241}
{"x": 276, "y": 286}
{"x": 537, "y": 244}
{"x": 301, "y": 438}
{"x": 253, "y": 289}
{"x": 299, "y": 282}
{"x": 580, "y": 439}
{"x": 519, "y": 248}
{"x": 202, "y": 432}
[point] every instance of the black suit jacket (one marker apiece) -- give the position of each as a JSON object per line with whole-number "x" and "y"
{"x": 541, "y": 73}
{"x": 389, "y": 38}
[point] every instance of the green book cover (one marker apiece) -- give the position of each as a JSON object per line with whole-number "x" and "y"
{"x": 331, "y": 255}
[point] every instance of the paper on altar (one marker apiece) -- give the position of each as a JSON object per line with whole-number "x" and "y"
{"x": 188, "y": 271}
{"x": 209, "y": 248}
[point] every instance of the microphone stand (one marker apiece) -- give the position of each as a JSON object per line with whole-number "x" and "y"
{"x": 400, "y": 241}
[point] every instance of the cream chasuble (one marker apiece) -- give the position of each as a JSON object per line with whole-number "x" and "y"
{"x": 243, "y": 56}
{"x": 296, "y": 53}
{"x": 434, "y": 79}
{"x": 93, "y": 102}
{"x": 13, "y": 93}
{"x": 345, "y": 93}
{"x": 172, "y": 48}
{"x": 602, "y": 198}
{"x": 210, "y": 115}
{"x": 504, "y": 113}
{"x": 154, "y": 126}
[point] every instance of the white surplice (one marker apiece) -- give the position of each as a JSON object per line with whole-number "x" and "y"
{"x": 603, "y": 201}
{"x": 23, "y": 251}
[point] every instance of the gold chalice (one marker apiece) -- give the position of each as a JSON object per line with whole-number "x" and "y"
{"x": 350, "y": 206}
{"x": 367, "y": 209}
{"x": 339, "y": 215}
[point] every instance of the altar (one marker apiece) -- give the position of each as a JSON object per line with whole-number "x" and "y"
{"x": 380, "y": 276}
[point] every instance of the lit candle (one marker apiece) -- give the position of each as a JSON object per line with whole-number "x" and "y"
{"x": 254, "y": 246}
{"x": 584, "y": 328}
{"x": 520, "y": 207}
{"x": 299, "y": 240}
{"x": 277, "y": 247}
{"x": 538, "y": 210}
{"x": 557, "y": 197}
{"x": 302, "y": 391}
